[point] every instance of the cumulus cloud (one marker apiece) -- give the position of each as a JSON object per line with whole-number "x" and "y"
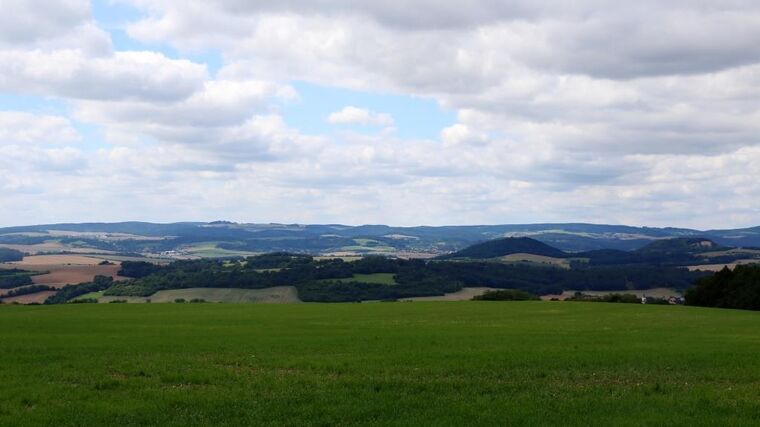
{"x": 462, "y": 134}
{"x": 20, "y": 128}
{"x": 643, "y": 113}
{"x": 122, "y": 75}
{"x": 361, "y": 116}
{"x": 47, "y": 24}
{"x": 36, "y": 149}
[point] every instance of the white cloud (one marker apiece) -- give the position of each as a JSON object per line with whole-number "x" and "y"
{"x": 50, "y": 24}
{"x": 361, "y": 116}
{"x": 643, "y": 112}
{"x": 462, "y": 134}
{"x": 21, "y": 128}
{"x": 122, "y": 75}
{"x": 34, "y": 151}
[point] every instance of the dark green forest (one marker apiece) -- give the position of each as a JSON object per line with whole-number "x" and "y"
{"x": 14, "y": 278}
{"x": 738, "y": 288}
{"x": 10, "y": 255}
{"x": 333, "y": 280}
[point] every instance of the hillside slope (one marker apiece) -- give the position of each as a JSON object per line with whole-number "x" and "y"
{"x": 141, "y": 237}
{"x": 506, "y": 246}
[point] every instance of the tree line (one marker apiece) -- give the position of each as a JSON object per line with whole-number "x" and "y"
{"x": 737, "y": 288}
{"x": 317, "y": 280}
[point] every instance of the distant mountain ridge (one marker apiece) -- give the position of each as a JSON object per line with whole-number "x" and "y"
{"x": 326, "y": 238}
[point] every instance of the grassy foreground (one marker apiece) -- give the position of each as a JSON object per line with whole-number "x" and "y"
{"x": 472, "y": 363}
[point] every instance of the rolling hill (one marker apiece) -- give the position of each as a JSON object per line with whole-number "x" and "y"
{"x": 680, "y": 246}
{"x": 506, "y": 246}
{"x": 224, "y": 237}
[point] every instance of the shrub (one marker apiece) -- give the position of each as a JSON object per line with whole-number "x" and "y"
{"x": 180, "y": 301}
{"x": 615, "y": 298}
{"x": 118, "y": 301}
{"x": 197, "y": 300}
{"x": 506, "y": 295}
{"x": 84, "y": 301}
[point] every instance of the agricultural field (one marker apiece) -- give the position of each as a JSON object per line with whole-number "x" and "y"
{"x": 35, "y": 298}
{"x": 654, "y": 292}
{"x": 274, "y": 295}
{"x": 122, "y": 258}
{"x": 367, "y": 246}
{"x": 718, "y": 267}
{"x": 58, "y": 271}
{"x": 458, "y": 363}
{"x": 211, "y": 250}
{"x": 465, "y": 294}
{"x": 57, "y": 275}
{"x": 536, "y": 259}
{"x": 45, "y": 260}
{"x": 38, "y": 248}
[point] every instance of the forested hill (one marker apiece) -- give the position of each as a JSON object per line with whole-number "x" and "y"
{"x": 684, "y": 245}
{"x": 506, "y": 246}
{"x": 680, "y": 251}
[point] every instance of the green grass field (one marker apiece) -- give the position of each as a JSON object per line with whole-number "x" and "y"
{"x": 210, "y": 250}
{"x": 461, "y": 363}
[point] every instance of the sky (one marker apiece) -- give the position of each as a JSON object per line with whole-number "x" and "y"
{"x": 396, "y": 112}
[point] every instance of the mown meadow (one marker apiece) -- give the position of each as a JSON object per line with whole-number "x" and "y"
{"x": 460, "y": 363}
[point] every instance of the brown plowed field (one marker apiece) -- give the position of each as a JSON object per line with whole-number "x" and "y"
{"x": 61, "y": 260}
{"x": 61, "y": 275}
{"x": 39, "y": 297}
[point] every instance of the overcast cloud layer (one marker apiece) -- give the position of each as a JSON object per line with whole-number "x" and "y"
{"x": 593, "y": 111}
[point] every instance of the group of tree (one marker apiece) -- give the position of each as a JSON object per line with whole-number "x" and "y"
{"x": 71, "y": 292}
{"x": 332, "y": 280}
{"x": 506, "y": 295}
{"x": 10, "y": 255}
{"x": 14, "y": 278}
{"x": 737, "y": 288}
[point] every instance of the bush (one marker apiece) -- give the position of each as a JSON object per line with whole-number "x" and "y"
{"x": 180, "y": 301}
{"x": 118, "y": 301}
{"x": 506, "y": 295}
{"x": 84, "y": 301}
{"x": 615, "y": 298}
{"x": 197, "y": 300}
